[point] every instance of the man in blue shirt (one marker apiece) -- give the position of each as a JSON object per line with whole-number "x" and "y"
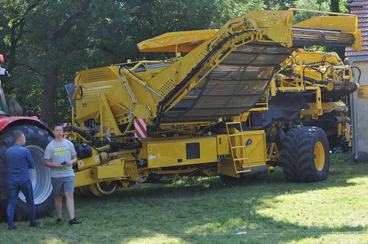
{"x": 19, "y": 161}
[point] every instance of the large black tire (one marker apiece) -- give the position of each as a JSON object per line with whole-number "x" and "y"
{"x": 37, "y": 140}
{"x": 305, "y": 155}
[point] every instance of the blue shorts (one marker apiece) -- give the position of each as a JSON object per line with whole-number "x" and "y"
{"x": 63, "y": 184}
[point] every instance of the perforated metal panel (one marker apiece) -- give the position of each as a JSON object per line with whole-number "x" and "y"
{"x": 167, "y": 87}
{"x": 234, "y": 87}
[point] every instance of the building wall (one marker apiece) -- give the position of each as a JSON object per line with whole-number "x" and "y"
{"x": 359, "y": 111}
{"x": 359, "y": 105}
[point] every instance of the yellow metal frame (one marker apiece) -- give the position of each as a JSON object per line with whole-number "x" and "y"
{"x": 303, "y": 68}
{"x": 114, "y": 95}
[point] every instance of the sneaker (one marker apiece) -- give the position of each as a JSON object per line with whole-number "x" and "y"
{"x": 35, "y": 224}
{"x": 58, "y": 221}
{"x": 12, "y": 228}
{"x": 74, "y": 221}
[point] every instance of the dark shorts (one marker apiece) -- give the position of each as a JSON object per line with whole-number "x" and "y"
{"x": 63, "y": 184}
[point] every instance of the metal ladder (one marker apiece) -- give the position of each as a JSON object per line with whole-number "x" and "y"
{"x": 243, "y": 154}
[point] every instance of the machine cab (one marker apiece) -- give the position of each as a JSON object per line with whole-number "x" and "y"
{"x": 4, "y": 109}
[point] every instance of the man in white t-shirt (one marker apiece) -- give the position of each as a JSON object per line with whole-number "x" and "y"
{"x": 60, "y": 156}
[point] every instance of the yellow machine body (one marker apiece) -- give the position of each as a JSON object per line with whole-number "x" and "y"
{"x": 200, "y": 106}
{"x": 178, "y": 151}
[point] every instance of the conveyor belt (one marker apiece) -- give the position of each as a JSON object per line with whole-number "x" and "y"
{"x": 232, "y": 88}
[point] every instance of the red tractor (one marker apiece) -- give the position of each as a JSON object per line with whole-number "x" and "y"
{"x": 38, "y": 136}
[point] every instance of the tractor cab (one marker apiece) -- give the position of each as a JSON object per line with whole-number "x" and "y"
{"x": 3, "y": 73}
{"x": 8, "y": 104}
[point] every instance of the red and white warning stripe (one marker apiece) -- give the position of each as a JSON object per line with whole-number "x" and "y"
{"x": 140, "y": 128}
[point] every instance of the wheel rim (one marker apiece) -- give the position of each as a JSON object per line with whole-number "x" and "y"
{"x": 107, "y": 188}
{"x": 319, "y": 156}
{"x": 40, "y": 177}
{"x": 103, "y": 188}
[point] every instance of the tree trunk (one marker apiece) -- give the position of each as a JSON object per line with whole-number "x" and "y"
{"x": 334, "y": 6}
{"x": 48, "y": 102}
{"x": 12, "y": 51}
{"x": 49, "y": 96}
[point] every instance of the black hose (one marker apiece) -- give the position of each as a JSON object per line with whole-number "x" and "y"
{"x": 359, "y": 71}
{"x": 88, "y": 137}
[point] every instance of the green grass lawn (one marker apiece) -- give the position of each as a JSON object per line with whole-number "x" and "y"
{"x": 265, "y": 210}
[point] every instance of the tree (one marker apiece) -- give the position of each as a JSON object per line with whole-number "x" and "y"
{"x": 14, "y": 16}
{"x": 280, "y": 4}
{"x": 335, "y": 6}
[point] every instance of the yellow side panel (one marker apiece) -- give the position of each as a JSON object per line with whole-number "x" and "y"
{"x": 249, "y": 148}
{"x": 86, "y": 163}
{"x": 223, "y": 145}
{"x": 226, "y": 167}
{"x": 181, "y": 41}
{"x": 131, "y": 171}
{"x": 255, "y": 151}
{"x": 275, "y": 24}
{"x": 346, "y": 23}
{"x": 114, "y": 169}
{"x": 177, "y": 152}
{"x": 363, "y": 92}
{"x": 92, "y": 84}
{"x": 83, "y": 178}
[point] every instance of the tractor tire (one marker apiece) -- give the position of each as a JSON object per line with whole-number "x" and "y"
{"x": 305, "y": 155}
{"x": 103, "y": 188}
{"x": 37, "y": 140}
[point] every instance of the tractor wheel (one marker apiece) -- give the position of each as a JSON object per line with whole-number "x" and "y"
{"x": 37, "y": 140}
{"x": 103, "y": 188}
{"x": 305, "y": 154}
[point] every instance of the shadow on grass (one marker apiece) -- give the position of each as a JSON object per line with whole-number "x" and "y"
{"x": 203, "y": 211}
{"x": 341, "y": 172}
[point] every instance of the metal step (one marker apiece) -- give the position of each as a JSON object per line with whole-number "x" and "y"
{"x": 233, "y": 122}
{"x": 234, "y": 147}
{"x": 239, "y": 159}
{"x": 243, "y": 171}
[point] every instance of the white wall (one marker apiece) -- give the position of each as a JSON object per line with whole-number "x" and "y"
{"x": 360, "y": 115}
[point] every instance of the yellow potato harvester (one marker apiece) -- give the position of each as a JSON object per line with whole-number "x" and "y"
{"x": 233, "y": 102}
